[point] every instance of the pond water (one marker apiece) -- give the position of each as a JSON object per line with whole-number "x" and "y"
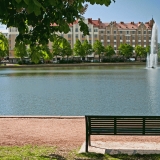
{"x": 77, "y": 91}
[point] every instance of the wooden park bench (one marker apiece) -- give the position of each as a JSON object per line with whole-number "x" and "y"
{"x": 121, "y": 125}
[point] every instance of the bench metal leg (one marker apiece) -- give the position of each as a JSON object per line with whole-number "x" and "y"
{"x": 87, "y": 142}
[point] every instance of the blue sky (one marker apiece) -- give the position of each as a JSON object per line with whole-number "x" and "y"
{"x": 127, "y": 11}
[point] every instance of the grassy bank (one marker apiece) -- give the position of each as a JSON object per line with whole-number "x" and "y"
{"x": 29, "y": 152}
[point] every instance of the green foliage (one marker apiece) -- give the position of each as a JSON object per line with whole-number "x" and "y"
{"x": 142, "y": 51}
{"x": 148, "y": 48}
{"x": 78, "y": 49}
{"x": 42, "y": 15}
{"x": 98, "y": 48}
{"x": 109, "y": 51}
{"x": 4, "y": 46}
{"x": 87, "y": 47}
{"x": 61, "y": 47}
{"x": 20, "y": 50}
{"x": 126, "y": 50}
{"x": 39, "y": 51}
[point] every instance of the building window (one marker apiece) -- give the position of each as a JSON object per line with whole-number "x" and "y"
{"x": 144, "y": 32}
{"x": 115, "y": 37}
{"x": 95, "y": 30}
{"x": 144, "y": 37}
{"x": 139, "y": 32}
{"x": 101, "y": 37}
{"x": 69, "y": 42}
{"x": 101, "y": 31}
{"x": 108, "y": 37}
{"x": 90, "y": 30}
{"x": 120, "y": 32}
{"x": 90, "y": 41}
{"x": 149, "y": 32}
{"x": 149, "y": 38}
{"x": 76, "y": 29}
{"x": 120, "y": 37}
{"x": 127, "y": 38}
{"x": 108, "y": 32}
{"x": 108, "y": 43}
{"x": 139, "y": 38}
{"x": 133, "y": 32}
{"x": 76, "y": 35}
{"x": 139, "y": 43}
{"x": 69, "y": 35}
{"x": 127, "y": 32}
{"x": 115, "y": 43}
{"x": 115, "y": 48}
{"x": 133, "y": 37}
{"x": 114, "y": 32}
{"x": 95, "y": 36}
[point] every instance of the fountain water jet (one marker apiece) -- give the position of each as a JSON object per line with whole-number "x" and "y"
{"x": 152, "y": 58}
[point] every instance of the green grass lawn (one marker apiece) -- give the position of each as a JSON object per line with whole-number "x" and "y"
{"x": 29, "y": 152}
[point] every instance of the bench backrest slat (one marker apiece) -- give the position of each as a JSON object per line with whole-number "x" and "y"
{"x": 123, "y": 125}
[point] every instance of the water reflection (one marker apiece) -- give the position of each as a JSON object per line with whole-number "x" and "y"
{"x": 153, "y": 89}
{"x": 111, "y": 90}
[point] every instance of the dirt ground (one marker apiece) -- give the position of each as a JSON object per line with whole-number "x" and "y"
{"x": 65, "y": 133}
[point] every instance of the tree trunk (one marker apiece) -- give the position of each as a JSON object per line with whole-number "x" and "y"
{"x": 99, "y": 57}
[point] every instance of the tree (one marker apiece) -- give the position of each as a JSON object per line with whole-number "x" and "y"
{"x": 39, "y": 51}
{"x": 109, "y": 51}
{"x": 140, "y": 51}
{"x": 148, "y": 48}
{"x": 56, "y": 50}
{"x": 125, "y": 50}
{"x": 61, "y": 47}
{"x": 87, "y": 48}
{"x": 20, "y": 50}
{"x": 42, "y": 16}
{"x": 98, "y": 48}
{"x": 78, "y": 49}
{"x": 65, "y": 48}
{"x": 4, "y": 47}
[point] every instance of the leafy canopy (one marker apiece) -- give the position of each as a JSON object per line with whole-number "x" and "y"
{"x": 20, "y": 50}
{"x": 109, "y": 51}
{"x": 42, "y": 15}
{"x": 126, "y": 50}
{"x": 78, "y": 49}
{"x": 87, "y": 48}
{"x": 61, "y": 47}
{"x": 4, "y": 46}
{"x": 142, "y": 51}
{"x": 98, "y": 47}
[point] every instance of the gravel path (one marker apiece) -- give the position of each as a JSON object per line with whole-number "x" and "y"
{"x": 65, "y": 133}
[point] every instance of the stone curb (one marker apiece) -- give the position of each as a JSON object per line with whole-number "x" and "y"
{"x": 45, "y": 117}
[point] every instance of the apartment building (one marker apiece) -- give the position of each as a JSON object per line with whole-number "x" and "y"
{"x": 112, "y": 33}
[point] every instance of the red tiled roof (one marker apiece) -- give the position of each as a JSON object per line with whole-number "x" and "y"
{"x": 98, "y": 23}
